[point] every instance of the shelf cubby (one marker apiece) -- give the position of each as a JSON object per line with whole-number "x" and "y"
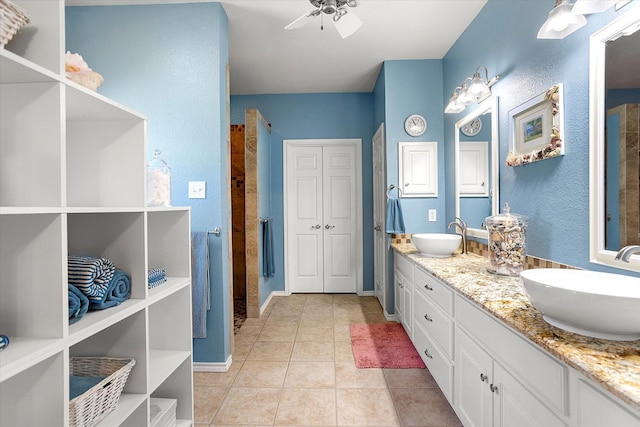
{"x": 31, "y": 283}
{"x": 33, "y": 397}
{"x": 179, "y": 386}
{"x": 30, "y": 152}
{"x": 169, "y": 242}
{"x": 117, "y": 236}
{"x": 41, "y": 40}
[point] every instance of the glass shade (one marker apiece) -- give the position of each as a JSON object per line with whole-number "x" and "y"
{"x": 561, "y": 22}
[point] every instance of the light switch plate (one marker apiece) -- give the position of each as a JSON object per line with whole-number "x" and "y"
{"x": 432, "y": 215}
{"x": 197, "y": 189}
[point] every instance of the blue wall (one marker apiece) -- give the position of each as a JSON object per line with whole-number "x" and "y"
{"x": 161, "y": 60}
{"x": 314, "y": 116}
{"x": 415, "y": 87}
{"x": 553, "y": 193}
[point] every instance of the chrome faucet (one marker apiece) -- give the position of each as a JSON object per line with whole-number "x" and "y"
{"x": 459, "y": 223}
{"x": 625, "y": 253}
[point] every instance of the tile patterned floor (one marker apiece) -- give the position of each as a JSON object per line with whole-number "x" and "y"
{"x": 294, "y": 367}
{"x": 239, "y": 313}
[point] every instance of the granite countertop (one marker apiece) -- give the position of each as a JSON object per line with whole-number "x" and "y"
{"x": 615, "y": 365}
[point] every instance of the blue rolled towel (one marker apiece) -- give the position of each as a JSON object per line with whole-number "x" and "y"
{"x": 78, "y": 304}
{"x": 118, "y": 290}
{"x": 78, "y": 385}
{"x": 91, "y": 275}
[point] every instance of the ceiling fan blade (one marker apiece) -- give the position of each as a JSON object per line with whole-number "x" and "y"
{"x": 347, "y": 24}
{"x": 300, "y": 22}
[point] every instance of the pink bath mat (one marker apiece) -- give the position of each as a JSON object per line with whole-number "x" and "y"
{"x": 383, "y": 345}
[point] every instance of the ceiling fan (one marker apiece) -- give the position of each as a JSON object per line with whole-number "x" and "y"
{"x": 346, "y": 21}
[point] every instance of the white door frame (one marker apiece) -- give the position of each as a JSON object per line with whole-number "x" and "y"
{"x": 357, "y": 143}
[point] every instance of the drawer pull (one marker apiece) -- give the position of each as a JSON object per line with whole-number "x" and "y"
{"x": 426, "y": 353}
{"x": 493, "y": 388}
{"x": 426, "y": 317}
{"x": 484, "y": 378}
{"x": 427, "y": 287}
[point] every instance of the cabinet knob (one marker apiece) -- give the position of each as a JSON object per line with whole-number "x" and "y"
{"x": 426, "y": 353}
{"x": 483, "y": 377}
{"x": 317, "y": 226}
{"x": 426, "y": 317}
{"x": 329, "y": 227}
{"x": 427, "y": 287}
{"x": 493, "y": 388}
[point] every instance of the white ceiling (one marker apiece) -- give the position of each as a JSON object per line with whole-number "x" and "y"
{"x": 265, "y": 58}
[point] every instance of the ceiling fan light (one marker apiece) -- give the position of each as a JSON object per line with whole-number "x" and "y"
{"x": 586, "y": 7}
{"x": 561, "y": 22}
{"x": 347, "y": 24}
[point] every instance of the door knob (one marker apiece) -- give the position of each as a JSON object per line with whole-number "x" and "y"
{"x": 377, "y": 228}
{"x": 317, "y": 227}
{"x": 329, "y": 227}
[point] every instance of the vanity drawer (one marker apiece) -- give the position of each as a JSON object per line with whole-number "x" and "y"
{"x": 441, "y": 294}
{"x": 404, "y": 265}
{"x": 434, "y": 321}
{"x": 546, "y": 377}
{"x": 440, "y": 367}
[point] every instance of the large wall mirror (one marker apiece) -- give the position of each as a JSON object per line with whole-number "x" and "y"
{"x": 614, "y": 140}
{"x": 476, "y": 166}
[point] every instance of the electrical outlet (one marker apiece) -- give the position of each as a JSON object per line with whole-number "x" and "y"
{"x": 432, "y": 215}
{"x": 197, "y": 190}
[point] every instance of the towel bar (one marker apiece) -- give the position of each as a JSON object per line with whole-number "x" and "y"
{"x": 216, "y": 231}
{"x": 263, "y": 220}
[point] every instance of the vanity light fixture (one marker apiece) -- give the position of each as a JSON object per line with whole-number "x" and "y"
{"x": 561, "y": 21}
{"x": 473, "y": 89}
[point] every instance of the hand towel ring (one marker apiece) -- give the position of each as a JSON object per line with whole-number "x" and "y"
{"x": 391, "y": 187}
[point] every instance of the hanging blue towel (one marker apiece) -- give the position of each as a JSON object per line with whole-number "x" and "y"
{"x": 78, "y": 304}
{"x": 268, "y": 265}
{"x": 118, "y": 291}
{"x": 395, "y": 221}
{"x": 200, "y": 290}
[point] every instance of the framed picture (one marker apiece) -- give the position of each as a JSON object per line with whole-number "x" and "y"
{"x": 537, "y": 128}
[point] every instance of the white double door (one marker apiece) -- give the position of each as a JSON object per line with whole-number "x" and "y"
{"x": 323, "y": 217}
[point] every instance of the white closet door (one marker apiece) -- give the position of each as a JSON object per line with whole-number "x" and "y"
{"x": 304, "y": 219}
{"x": 379, "y": 217}
{"x": 340, "y": 222}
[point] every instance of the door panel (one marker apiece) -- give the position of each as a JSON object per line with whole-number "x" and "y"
{"x": 304, "y": 199}
{"x": 379, "y": 218}
{"x": 340, "y": 273}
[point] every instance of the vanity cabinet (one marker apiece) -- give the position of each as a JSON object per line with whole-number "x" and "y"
{"x": 72, "y": 168}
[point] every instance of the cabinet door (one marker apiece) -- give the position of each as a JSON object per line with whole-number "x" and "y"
{"x": 397, "y": 294}
{"x": 515, "y": 406}
{"x": 595, "y": 409}
{"x": 474, "y": 171}
{"x": 472, "y": 381}
{"x": 407, "y": 306}
{"x": 418, "y": 169}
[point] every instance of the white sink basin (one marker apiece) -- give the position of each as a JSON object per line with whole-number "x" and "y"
{"x": 436, "y": 244}
{"x": 591, "y": 303}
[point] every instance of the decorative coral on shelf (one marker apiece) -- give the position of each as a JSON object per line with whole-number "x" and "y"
{"x": 78, "y": 71}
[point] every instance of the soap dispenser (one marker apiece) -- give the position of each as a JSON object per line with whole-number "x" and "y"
{"x": 507, "y": 249}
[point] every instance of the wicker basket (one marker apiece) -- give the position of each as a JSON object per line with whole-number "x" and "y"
{"x": 93, "y": 405}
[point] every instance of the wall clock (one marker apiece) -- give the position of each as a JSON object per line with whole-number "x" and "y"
{"x": 415, "y": 125}
{"x": 473, "y": 127}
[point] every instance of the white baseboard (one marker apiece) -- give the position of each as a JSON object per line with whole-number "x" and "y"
{"x": 263, "y": 307}
{"x": 390, "y": 317}
{"x": 368, "y": 294}
{"x": 212, "y": 366}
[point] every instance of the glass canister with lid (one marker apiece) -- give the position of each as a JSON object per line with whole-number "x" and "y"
{"x": 507, "y": 249}
{"x": 158, "y": 181}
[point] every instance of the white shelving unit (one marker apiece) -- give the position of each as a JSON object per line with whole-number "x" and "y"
{"x": 72, "y": 182}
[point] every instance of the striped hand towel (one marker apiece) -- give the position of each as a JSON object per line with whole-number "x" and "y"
{"x": 91, "y": 275}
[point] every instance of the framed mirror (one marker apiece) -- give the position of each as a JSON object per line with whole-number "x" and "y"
{"x": 614, "y": 133}
{"x": 476, "y": 166}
